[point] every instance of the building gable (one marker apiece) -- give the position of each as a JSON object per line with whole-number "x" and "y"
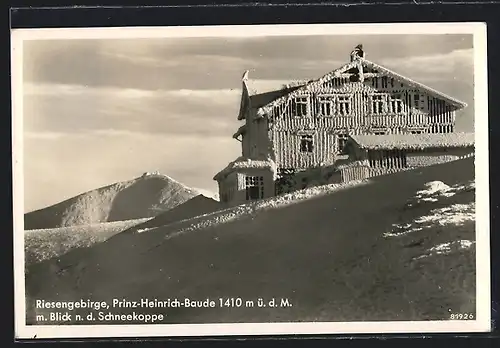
{"x": 258, "y": 93}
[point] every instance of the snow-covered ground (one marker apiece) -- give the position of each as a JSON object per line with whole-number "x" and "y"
{"x": 44, "y": 244}
{"x": 323, "y": 248}
{"x": 254, "y": 208}
{"x": 449, "y": 215}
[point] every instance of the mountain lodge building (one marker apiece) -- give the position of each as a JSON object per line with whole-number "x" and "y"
{"x": 327, "y": 123}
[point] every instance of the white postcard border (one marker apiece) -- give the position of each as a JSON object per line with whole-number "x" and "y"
{"x": 482, "y": 323}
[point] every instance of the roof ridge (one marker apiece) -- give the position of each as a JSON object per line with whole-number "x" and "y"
{"x": 352, "y": 64}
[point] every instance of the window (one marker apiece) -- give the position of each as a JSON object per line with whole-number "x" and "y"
{"x": 341, "y": 143}
{"x": 325, "y": 106}
{"x": 254, "y": 187}
{"x": 418, "y": 101}
{"x": 344, "y": 105}
{"x": 378, "y": 130}
{"x": 306, "y": 143}
{"x": 378, "y": 103}
{"x": 299, "y": 106}
{"x": 277, "y": 111}
{"x": 396, "y": 103}
{"x": 384, "y": 81}
{"x": 354, "y": 77}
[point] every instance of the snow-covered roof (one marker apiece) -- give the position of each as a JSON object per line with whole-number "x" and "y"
{"x": 265, "y": 86}
{"x": 262, "y": 92}
{"x": 245, "y": 163}
{"x": 352, "y": 164}
{"x": 413, "y": 141}
{"x": 412, "y": 83}
{"x": 312, "y": 85}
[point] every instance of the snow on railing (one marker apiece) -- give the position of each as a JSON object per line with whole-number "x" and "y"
{"x": 361, "y": 170}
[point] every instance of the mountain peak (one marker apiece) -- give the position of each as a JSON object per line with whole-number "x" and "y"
{"x": 143, "y": 197}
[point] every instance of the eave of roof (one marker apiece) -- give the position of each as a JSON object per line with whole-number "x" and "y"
{"x": 414, "y": 141}
{"x": 245, "y": 163}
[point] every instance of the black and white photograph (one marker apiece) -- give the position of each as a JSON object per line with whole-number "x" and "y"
{"x": 250, "y": 180}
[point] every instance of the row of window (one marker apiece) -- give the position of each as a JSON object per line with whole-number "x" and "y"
{"x": 307, "y": 145}
{"x": 385, "y": 82}
{"x": 330, "y": 105}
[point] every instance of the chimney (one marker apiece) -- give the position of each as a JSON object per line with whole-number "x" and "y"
{"x": 357, "y": 53}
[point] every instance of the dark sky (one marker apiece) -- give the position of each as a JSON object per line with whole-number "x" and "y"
{"x": 97, "y": 111}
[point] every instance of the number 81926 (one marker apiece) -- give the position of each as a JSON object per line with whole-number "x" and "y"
{"x": 461, "y": 316}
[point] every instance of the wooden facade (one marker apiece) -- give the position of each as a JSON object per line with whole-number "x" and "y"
{"x": 308, "y": 126}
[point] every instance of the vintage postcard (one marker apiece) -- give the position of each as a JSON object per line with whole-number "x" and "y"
{"x": 251, "y": 180}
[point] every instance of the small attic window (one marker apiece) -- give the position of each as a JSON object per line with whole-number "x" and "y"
{"x": 384, "y": 82}
{"x": 354, "y": 78}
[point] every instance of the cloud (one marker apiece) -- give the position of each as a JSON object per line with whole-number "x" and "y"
{"x": 58, "y": 89}
{"x": 76, "y": 108}
{"x": 105, "y": 133}
{"x": 451, "y": 63}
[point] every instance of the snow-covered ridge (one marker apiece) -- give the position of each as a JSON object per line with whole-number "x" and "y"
{"x": 253, "y": 208}
{"x": 195, "y": 190}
